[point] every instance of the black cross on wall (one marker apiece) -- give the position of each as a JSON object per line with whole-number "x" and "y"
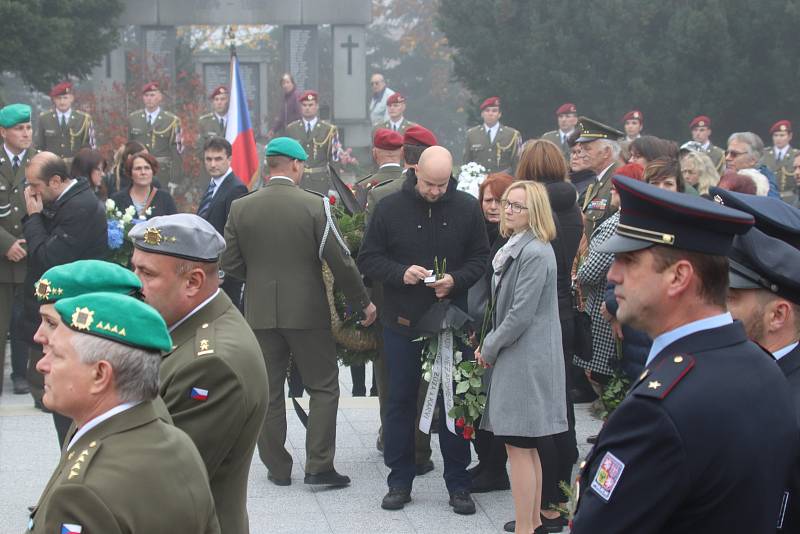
{"x": 349, "y": 45}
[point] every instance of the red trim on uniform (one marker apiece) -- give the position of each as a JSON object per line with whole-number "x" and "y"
{"x": 686, "y": 369}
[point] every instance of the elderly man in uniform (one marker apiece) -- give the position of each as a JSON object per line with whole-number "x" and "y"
{"x": 779, "y": 158}
{"x": 669, "y": 458}
{"x": 17, "y": 133}
{"x": 765, "y": 296}
{"x": 213, "y": 380}
{"x": 212, "y": 124}
{"x": 124, "y": 469}
{"x": 160, "y": 131}
{"x": 64, "y": 130}
{"x": 277, "y": 240}
{"x": 396, "y": 109}
{"x": 320, "y": 141}
{"x": 491, "y": 144}
{"x": 598, "y": 144}
{"x": 700, "y": 127}
{"x": 567, "y": 116}
{"x": 378, "y": 104}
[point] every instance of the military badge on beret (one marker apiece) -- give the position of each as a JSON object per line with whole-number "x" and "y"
{"x": 152, "y": 236}
{"x": 82, "y": 318}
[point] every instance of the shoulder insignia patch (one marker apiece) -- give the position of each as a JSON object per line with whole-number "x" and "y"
{"x": 204, "y": 340}
{"x": 313, "y": 192}
{"x": 207, "y": 115}
{"x": 660, "y": 381}
{"x": 78, "y": 461}
{"x": 389, "y": 181}
{"x": 607, "y": 477}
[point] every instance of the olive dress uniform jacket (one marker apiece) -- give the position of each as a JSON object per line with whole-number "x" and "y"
{"x": 702, "y": 443}
{"x": 64, "y": 142}
{"x": 387, "y": 179}
{"x": 273, "y": 239}
{"x": 596, "y": 203}
{"x": 162, "y": 139}
{"x": 554, "y": 137}
{"x": 214, "y": 384}
{"x": 784, "y": 172}
{"x": 790, "y": 365}
{"x": 131, "y": 473}
{"x": 717, "y": 156}
{"x": 322, "y": 147}
{"x": 12, "y": 210}
{"x": 405, "y": 124}
{"x": 498, "y": 155}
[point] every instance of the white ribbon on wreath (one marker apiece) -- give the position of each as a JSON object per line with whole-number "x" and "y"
{"x": 441, "y": 376}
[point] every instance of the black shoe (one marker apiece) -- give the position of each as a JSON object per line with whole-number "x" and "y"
{"x": 379, "y": 444}
{"x": 474, "y": 470}
{"x": 592, "y": 439}
{"x": 462, "y": 503}
{"x": 541, "y": 530}
{"x": 421, "y": 469}
{"x": 511, "y": 526}
{"x": 582, "y": 396}
{"x": 554, "y": 525}
{"x": 21, "y": 386}
{"x": 328, "y": 478}
{"x": 279, "y": 481}
{"x": 490, "y": 480}
{"x": 396, "y": 499}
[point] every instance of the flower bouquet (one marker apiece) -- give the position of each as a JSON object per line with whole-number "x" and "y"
{"x": 119, "y": 224}
{"x": 471, "y": 177}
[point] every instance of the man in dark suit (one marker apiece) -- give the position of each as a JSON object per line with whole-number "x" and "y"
{"x": 223, "y": 189}
{"x": 765, "y": 295}
{"x": 65, "y": 222}
{"x": 705, "y": 438}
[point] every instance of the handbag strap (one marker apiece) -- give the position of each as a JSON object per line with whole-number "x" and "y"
{"x": 150, "y": 198}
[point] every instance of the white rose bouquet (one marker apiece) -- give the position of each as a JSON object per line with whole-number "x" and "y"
{"x": 471, "y": 177}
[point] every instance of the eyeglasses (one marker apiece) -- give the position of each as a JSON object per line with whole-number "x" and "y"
{"x": 515, "y": 208}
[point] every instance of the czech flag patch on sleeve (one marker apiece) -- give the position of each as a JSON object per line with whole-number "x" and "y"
{"x": 71, "y": 529}
{"x": 199, "y": 394}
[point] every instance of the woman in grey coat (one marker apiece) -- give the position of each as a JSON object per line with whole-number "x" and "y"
{"x": 526, "y": 389}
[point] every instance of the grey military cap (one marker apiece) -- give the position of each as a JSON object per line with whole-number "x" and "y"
{"x": 183, "y": 235}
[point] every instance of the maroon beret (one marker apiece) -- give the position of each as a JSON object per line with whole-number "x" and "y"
{"x": 387, "y": 139}
{"x": 150, "y": 86}
{"x": 63, "y": 88}
{"x": 634, "y": 115}
{"x": 396, "y": 98}
{"x": 308, "y": 96}
{"x": 221, "y": 90}
{"x": 564, "y": 109}
{"x": 700, "y": 120}
{"x": 418, "y": 135}
{"x": 491, "y": 101}
{"x": 781, "y": 126}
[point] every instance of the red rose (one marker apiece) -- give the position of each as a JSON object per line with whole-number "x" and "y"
{"x": 469, "y": 431}
{"x": 460, "y": 422}
{"x": 332, "y": 200}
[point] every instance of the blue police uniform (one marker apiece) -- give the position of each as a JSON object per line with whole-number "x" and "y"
{"x": 704, "y": 439}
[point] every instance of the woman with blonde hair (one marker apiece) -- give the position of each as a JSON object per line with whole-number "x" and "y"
{"x": 525, "y": 398}
{"x": 698, "y": 171}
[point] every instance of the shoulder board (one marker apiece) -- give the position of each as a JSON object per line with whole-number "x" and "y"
{"x": 364, "y": 179}
{"x": 207, "y": 115}
{"x": 293, "y": 123}
{"x": 169, "y": 114}
{"x": 44, "y": 114}
{"x": 551, "y": 132}
{"x": 410, "y": 123}
{"x": 138, "y": 112}
{"x": 328, "y": 124}
{"x": 314, "y": 192}
{"x": 204, "y": 340}
{"x": 660, "y": 381}
{"x": 390, "y": 180}
{"x": 81, "y": 113}
{"x": 474, "y": 129}
{"x": 78, "y": 461}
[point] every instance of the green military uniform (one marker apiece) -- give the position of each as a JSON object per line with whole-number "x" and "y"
{"x": 596, "y": 202}
{"x": 717, "y": 156}
{"x": 208, "y": 126}
{"x": 131, "y": 473}
{"x": 322, "y": 147}
{"x": 277, "y": 239}
{"x": 404, "y": 125}
{"x": 216, "y": 351}
{"x": 554, "y": 137}
{"x": 498, "y": 155}
{"x": 64, "y": 141}
{"x": 12, "y": 210}
{"x": 162, "y": 139}
{"x": 784, "y": 172}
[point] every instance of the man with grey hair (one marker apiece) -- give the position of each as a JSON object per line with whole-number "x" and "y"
{"x": 378, "y": 111}
{"x": 746, "y": 151}
{"x": 598, "y": 143}
{"x": 122, "y": 462}
{"x": 213, "y": 379}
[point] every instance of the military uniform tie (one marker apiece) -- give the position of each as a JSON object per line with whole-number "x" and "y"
{"x": 15, "y": 163}
{"x": 222, "y": 124}
{"x": 63, "y": 123}
{"x": 205, "y": 202}
{"x": 149, "y": 120}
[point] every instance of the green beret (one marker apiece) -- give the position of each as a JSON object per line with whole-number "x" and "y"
{"x": 85, "y": 276}
{"x": 116, "y": 317}
{"x": 286, "y": 146}
{"x": 183, "y": 235}
{"x": 14, "y": 114}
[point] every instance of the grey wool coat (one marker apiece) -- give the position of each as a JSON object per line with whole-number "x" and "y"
{"x": 526, "y": 394}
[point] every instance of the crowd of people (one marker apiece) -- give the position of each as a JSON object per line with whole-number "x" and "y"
{"x": 595, "y": 265}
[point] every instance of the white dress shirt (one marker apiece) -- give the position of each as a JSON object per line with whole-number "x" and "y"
{"x": 99, "y": 419}
{"x": 492, "y": 131}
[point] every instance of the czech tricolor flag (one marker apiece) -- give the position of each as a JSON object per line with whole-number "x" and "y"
{"x": 71, "y": 529}
{"x": 199, "y": 394}
{"x": 239, "y": 130}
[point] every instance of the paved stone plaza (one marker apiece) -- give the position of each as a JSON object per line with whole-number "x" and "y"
{"x": 28, "y": 453}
